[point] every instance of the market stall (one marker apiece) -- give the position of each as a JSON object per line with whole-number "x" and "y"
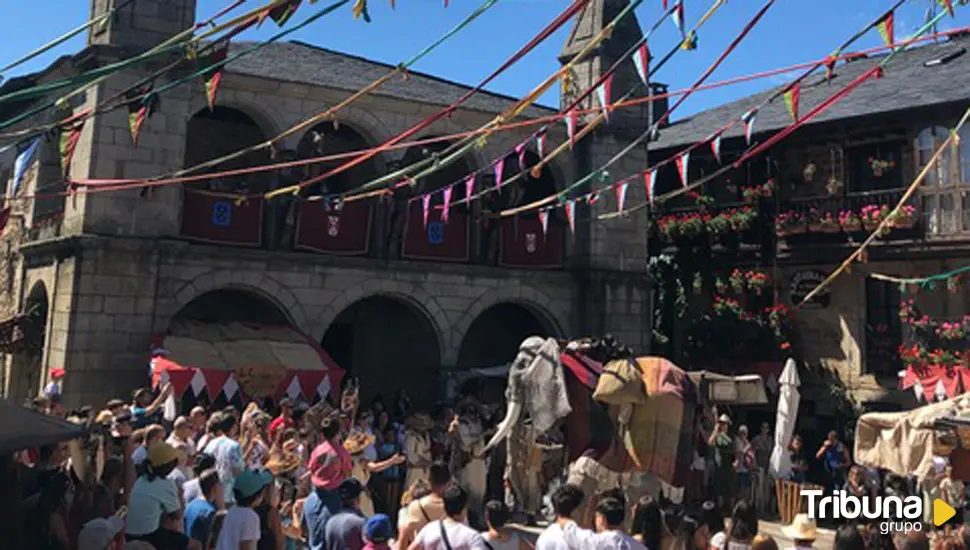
{"x": 235, "y": 358}
{"x": 22, "y": 428}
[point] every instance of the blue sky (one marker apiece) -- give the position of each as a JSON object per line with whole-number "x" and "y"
{"x": 792, "y": 31}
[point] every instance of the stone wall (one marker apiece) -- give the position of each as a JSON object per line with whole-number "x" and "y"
{"x": 129, "y": 289}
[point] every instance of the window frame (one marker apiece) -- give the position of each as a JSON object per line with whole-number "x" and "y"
{"x": 949, "y": 182}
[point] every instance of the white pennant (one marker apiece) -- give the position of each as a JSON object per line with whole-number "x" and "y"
{"x": 541, "y": 142}
{"x": 198, "y": 382}
{"x": 425, "y": 208}
{"x": 323, "y": 390}
{"x": 678, "y": 16}
{"x": 749, "y": 119}
{"x": 940, "y": 391}
{"x": 716, "y": 148}
{"x": 648, "y": 181}
{"x": 621, "y": 196}
{"x": 446, "y": 207}
{"x": 682, "y": 162}
{"x": 571, "y": 120}
{"x": 641, "y": 61}
{"x": 544, "y": 221}
{"x": 293, "y": 390}
{"x": 603, "y": 94}
{"x": 231, "y": 387}
{"x": 571, "y": 215}
{"x": 918, "y": 390}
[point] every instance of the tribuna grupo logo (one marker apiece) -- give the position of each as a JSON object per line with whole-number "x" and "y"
{"x": 898, "y": 514}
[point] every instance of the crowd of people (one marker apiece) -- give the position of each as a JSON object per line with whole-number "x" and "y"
{"x": 383, "y": 477}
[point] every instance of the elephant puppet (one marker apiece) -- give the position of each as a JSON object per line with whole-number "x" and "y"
{"x": 628, "y": 420}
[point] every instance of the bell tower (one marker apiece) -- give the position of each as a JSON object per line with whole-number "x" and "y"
{"x": 611, "y": 255}
{"x": 142, "y": 24}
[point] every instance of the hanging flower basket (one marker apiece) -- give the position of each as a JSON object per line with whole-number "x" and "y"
{"x": 880, "y": 167}
{"x": 720, "y": 285}
{"x": 758, "y": 281}
{"x": 905, "y": 218}
{"x": 691, "y": 225}
{"x": 737, "y": 281}
{"x": 669, "y": 228}
{"x": 849, "y": 221}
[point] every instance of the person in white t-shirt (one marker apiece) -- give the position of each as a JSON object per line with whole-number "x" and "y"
{"x": 241, "y": 527}
{"x": 610, "y": 514}
{"x": 450, "y": 532}
{"x": 566, "y": 500}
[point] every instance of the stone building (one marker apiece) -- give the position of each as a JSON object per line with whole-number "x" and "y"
{"x": 107, "y": 272}
{"x": 861, "y": 153}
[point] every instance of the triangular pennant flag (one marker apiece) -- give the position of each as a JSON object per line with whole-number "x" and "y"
{"x": 716, "y": 147}
{"x": 621, "y": 196}
{"x": 571, "y": 216}
{"x": 948, "y": 4}
{"x": 571, "y": 119}
{"x": 70, "y": 135}
{"x": 886, "y": 28}
{"x": 544, "y": 221}
{"x": 520, "y": 149}
{"x": 23, "y": 161}
{"x": 447, "y": 3}
{"x": 499, "y": 167}
{"x": 282, "y": 13}
{"x": 212, "y": 75}
{"x": 425, "y": 208}
{"x": 678, "y": 17}
{"x": 215, "y": 380}
{"x": 231, "y": 387}
{"x": 541, "y": 142}
{"x": 323, "y": 390}
{"x": 469, "y": 188}
{"x": 918, "y": 390}
{"x": 293, "y": 390}
{"x": 446, "y": 203}
{"x": 682, "y": 161}
{"x": 648, "y": 182}
{"x": 197, "y": 383}
{"x": 592, "y": 198}
{"x": 792, "y": 96}
{"x": 360, "y": 10}
{"x": 139, "y": 112}
{"x": 665, "y": 4}
{"x": 830, "y": 66}
{"x": 641, "y": 61}
{"x": 603, "y": 94}
{"x": 749, "y": 119}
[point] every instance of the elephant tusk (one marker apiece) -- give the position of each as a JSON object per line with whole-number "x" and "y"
{"x": 512, "y": 414}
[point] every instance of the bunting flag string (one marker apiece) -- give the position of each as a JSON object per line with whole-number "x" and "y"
{"x": 748, "y": 118}
{"x": 425, "y": 208}
{"x": 803, "y": 119}
{"x": 470, "y": 186}
{"x": 948, "y": 4}
{"x": 212, "y": 75}
{"x": 885, "y": 27}
{"x": 792, "y": 96}
{"x": 446, "y": 200}
{"x": 641, "y": 61}
{"x": 572, "y": 119}
{"x": 682, "y": 161}
{"x": 621, "y": 196}
{"x": 499, "y": 167}
{"x": 22, "y": 162}
{"x": 649, "y": 178}
{"x": 544, "y": 221}
{"x": 716, "y": 147}
{"x": 603, "y": 94}
{"x": 281, "y": 13}
{"x": 830, "y": 66}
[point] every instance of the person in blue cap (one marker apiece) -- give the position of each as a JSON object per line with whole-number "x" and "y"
{"x": 377, "y": 532}
{"x": 241, "y": 527}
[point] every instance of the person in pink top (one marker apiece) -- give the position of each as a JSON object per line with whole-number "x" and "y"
{"x": 329, "y": 465}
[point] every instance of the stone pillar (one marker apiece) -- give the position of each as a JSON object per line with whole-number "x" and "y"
{"x": 611, "y": 254}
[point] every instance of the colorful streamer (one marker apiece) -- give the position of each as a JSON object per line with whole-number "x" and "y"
{"x": 791, "y": 100}
{"x": 885, "y": 27}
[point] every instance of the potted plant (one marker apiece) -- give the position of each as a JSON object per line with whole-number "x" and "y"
{"x": 951, "y": 331}
{"x": 872, "y": 215}
{"x": 758, "y": 281}
{"x": 797, "y": 225}
{"x": 904, "y": 218}
{"x": 669, "y": 227}
{"x": 698, "y": 283}
{"x": 849, "y": 221}
{"x": 720, "y": 285}
{"x": 783, "y": 223}
{"x": 737, "y": 281}
{"x": 719, "y": 224}
{"x": 880, "y": 167}
{"x": 691, "y": 225}
{"x": 742, "y": 219}
{"x": 830, "y": 224}
{"x": 758, "y": 192}
{"x": 907, "y": 310}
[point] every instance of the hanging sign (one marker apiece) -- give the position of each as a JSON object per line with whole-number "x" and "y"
{"x": 803, "y": 282}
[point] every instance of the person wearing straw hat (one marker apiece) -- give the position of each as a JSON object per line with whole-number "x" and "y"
{"x": 153, "y": 495}
{"x": 720, "y": 440}
{"x": 417, "y": 448}
{"x": 357, "y": 445}
{"x": 802, "y": 531}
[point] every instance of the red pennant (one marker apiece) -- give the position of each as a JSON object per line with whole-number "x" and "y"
{"x": 309, "y": 382}
{"x": 648, "y": 181}
{"x": 215, "y": 380}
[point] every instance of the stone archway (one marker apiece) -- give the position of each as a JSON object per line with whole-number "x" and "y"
{"x": 389, "y": 344}
{"x": 232, "y": 305}
{"x": 494, "y": 336}
{"x": 211, "y": 134}
{"x": 27, "y": 366}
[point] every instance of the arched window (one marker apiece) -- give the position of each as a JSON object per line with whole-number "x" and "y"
{"x": 941, "y": 185}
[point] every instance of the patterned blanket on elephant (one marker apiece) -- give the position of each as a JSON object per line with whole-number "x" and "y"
{"x": 659, "y": 432}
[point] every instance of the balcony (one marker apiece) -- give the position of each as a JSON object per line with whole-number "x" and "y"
{"x": 213, "y": 218}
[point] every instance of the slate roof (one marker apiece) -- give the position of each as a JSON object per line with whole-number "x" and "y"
{"x": 307, "y": 64}
{"x": 907, "y": 84}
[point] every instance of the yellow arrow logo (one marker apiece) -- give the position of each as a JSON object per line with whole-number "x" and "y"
{"x": 942, "y": 512}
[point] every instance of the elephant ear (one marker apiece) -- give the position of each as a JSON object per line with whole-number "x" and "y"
{"x": 621, "y": 384}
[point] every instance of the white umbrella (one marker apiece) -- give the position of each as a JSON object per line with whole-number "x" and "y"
{"x": 780, "y": 465}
